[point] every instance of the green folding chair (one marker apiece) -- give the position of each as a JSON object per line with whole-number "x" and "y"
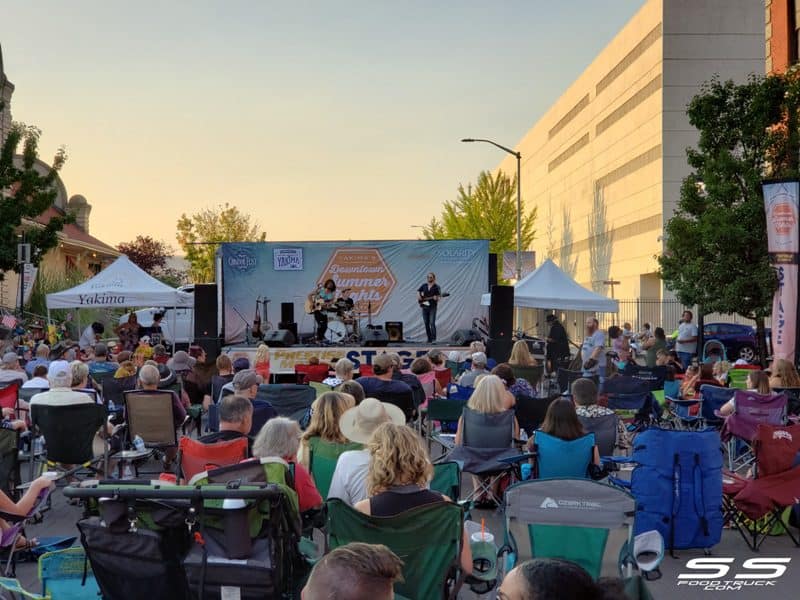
{"x": 427, "y": 539}
{"x": 322, "y": 458}
{"x": 320, "y": 388}
{"x": 447, "y": 479}
{"x": 737, "y": 378}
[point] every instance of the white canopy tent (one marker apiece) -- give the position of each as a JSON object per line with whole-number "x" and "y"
{"x": 549, "y": 287}
{"x": 121, "y": 284}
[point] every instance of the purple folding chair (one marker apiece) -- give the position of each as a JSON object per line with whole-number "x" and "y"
{"x": 9, "y": 536}
{"x": 751, "y": 410}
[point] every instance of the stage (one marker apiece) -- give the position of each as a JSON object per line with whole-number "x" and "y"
{"x": 283, "y": 360}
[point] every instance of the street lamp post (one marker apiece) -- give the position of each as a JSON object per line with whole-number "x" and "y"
{"x": 518, "y": 156}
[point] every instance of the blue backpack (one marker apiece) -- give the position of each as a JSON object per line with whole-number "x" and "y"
{"x": 677, "y": 484}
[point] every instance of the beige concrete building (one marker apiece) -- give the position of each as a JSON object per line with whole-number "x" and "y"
{"x": 604, "y": 165}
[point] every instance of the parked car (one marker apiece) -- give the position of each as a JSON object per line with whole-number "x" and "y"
{"x": 740, "y": 341}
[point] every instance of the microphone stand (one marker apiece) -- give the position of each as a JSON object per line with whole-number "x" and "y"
{"x": 248, "y": 335}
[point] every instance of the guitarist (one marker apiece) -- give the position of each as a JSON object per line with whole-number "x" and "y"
{"x": 429, "y": 294}
{"x": 321, "y": 299}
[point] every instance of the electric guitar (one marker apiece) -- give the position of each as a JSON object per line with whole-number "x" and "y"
{"x": 426, "y": 300}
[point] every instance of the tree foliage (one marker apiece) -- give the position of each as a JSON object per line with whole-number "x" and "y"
{"x": 146, "y": 253}
{"x": 716, "y": 247}
{"x": 24, "y": 195}
{"x": 486, "y": 211}
{"x": 200, "y": 234}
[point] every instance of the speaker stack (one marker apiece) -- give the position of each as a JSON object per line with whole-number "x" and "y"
{"x": 279, "y": 338}
{"x": 205, "y": 319}
{"x": 374, "y": 337}
{"x": 501, "y": 323}
{"x": 464, "y": 337}
{"x": 287, "y": 321}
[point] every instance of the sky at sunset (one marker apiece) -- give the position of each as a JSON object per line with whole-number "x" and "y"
{"x": 323, "y": 120}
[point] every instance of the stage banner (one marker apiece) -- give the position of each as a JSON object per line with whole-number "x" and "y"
{"x": 783, "y": 241}
{"x": 383, "y": 278}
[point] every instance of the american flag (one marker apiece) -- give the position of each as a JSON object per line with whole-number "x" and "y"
{"x": 8, "y": 321}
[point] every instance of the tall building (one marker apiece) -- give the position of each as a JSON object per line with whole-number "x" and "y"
{"x": 6, "y": 89}
{"x": 604, "y": 165}
{"x": 782, "y": 22}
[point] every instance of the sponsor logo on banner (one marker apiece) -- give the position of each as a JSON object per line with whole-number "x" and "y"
{"x": 116, "y": 283}
{"x": 457, "y": 254}
{"x": 103, "y": 299}
{"x": 242, "y": 260}
{"x": 365, "y": 272}
{"x": 287, "y": 259}
{"x": 714, "y": 574}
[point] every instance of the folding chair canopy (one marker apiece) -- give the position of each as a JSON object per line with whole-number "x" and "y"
{"x": 427, "y": 539}
{"x": 580, "y": 520}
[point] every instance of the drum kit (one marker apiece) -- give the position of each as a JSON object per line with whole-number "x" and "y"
{"x": 343, "y": 322}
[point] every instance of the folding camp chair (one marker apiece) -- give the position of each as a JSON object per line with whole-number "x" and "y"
{"x": 447, "y": 479}
{"x": 69, "y": 433}
{"x": 26, "y": 393}
{"x": 459, "y": 392}
{"x": 554, "y": 457}
{"x": 604, "y": 429}
{"x": 712, "y": 399}
{"x": 288, "y": 400}
{"x": 793, "y": 399}
{"x": 754, "y": 505}
{"x": 322, "y": 459}
{"x": 114, "y": 389}
{"x": 10, "y": 476}
{"x": 737, "y": 378}
{"x": 636, "y": 410}
{"x": 751, "y": 410}
{"x": 66, "y": 575}
{"x": 487, "y": 439}
{"x": 427, "y": 539}
{"x": 443, "y": 376}
{"x": 308, "y": 373}
{"x": 16, "y": 528}
{"x": 195, "y": 456}
{"x": 530, "y": 412}
{"x": 319, "y": 388}
{"x": 654, "y": 377}
{"x": 149, "y": 416}
{"x": 9, "y": 394}
{"x": 402, "y": 400}
{"x": 447, "y": 412}
{"x": 580, "y": 520}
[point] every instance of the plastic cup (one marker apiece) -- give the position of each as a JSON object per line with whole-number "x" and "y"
{"x": 485, "y": 537}
{"x": 237, "y": 528}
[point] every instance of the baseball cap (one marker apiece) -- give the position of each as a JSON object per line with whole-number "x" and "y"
{"x": 241, "y": 364}
{"x": 58, "y": 368}
{"x": 10, "y": 358}
{"x": 245, "y": 379}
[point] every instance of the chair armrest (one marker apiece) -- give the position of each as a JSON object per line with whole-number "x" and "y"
{"x": 512, "y": 460}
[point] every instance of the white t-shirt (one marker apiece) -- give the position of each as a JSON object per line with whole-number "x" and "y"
{"x": 37, "y": 382}
{"x": 598, "y": 338}
{"x": 349, "y": 481}
{"x": 686, "y": 330}
{"x": 62, "y": 397}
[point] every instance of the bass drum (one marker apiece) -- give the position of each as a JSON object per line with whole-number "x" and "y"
{"x": 337, "y": 332}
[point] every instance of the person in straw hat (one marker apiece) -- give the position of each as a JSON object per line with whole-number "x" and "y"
{"x": 358, "y": 423}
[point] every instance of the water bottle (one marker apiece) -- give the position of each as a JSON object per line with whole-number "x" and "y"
{"x": 138, "y": 443}
{"x": 111, "y": 406}
{"x": 38, "y": 445}
{"x": 523, "y": 435}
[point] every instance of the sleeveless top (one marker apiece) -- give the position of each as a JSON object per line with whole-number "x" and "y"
{"x": 401, "y": 498}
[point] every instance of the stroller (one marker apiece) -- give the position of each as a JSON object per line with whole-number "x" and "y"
{"x": 714, "y": 347}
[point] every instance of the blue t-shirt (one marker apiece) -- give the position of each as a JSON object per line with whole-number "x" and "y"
{"x": 373, "y": 386}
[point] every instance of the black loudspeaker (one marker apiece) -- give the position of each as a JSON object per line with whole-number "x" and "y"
{"x": 212, "y": 346}
{"x": 499, "y": 349}
{"x": 395, "y": 330}
{"x": 287, "y": 312}
{"x": 205, "y": 311}
{"x": 501, "y": 312}
{"x": 464, "y": 337}
{"x": 289, "y": 327}
{"x": 279, "y": 338}
{"x": 374, "y": 337}
{"x": 492, "y": 270}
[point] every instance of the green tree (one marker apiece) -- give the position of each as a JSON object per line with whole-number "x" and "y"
{"x": 486, "y": 211}
{"x": 151, "y": 256}
{"x": 201, "y": 233}
{"x": 25, "y": 194}
{"x": 716, "y": 248}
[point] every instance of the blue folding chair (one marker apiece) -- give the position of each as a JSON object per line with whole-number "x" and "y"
{"x": 554, "y": 457}
{"x": 459, "y": 392}
{"x": 712, "y": 398}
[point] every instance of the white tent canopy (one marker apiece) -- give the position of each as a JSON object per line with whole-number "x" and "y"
{"x": 549, "y": 287}
{"x": 120, "y": 284}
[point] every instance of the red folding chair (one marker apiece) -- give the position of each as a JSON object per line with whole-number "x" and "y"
{"x": 196, "y": 457}
{"x": 443, "y": 376}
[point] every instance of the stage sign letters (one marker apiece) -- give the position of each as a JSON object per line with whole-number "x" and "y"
{"x": 287, "y": 259}
{"x": 364, "y": 272}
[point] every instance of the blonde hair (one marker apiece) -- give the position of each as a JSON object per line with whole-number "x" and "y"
{"x": 488, "y": 395}
{"x": 521, "y": 355}
{"x": 325, "y": 414}
{"x": 397, "y": 457}
{"x": 262, "y": 354}
{"x": 477, "y": 346}
{"x": 785, "y": 371}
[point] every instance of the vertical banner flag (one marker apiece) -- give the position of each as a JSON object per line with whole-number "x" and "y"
{"x": 783, "y": 241}
{"x": 28, "y": 280}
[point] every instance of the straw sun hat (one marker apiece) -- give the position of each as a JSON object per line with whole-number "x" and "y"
{"x": 360, "y": 422}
